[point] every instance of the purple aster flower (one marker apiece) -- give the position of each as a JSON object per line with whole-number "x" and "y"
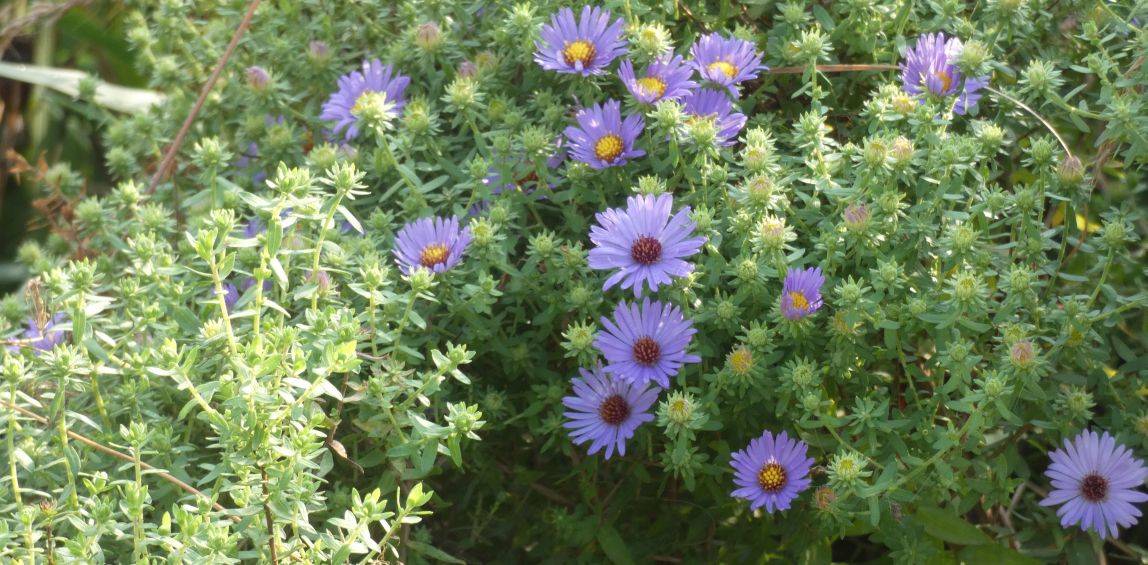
{"x": 1096, "y": 480}
{"x": 930, "y": 67}
{"x": 801, "y": 293}
{"x": 709, "y": 104}
{"x": 44, "y": 340}
{"x": 248, "y": 157}
{"x": 375, "y": 77}
{"x": 726, "y": 61}
{"x": 605, "y": 410}
{"x": 585, "y": 47}
{"x": 646, "y": 343}
{"x": 602, "y": 139}
{"x": 644, "y": 243}
{"x": 771, "y": 471}
{"x": 664, "y": 79}
{"x": 434, "y": 243}
{"x": 253, "y": 228}
{"x": 230, "y": 296}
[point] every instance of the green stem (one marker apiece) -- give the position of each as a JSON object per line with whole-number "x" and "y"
{"x": 1103, "y": 277}
{"x": 62, "y": 428}
{"x": 12, "y": 449}
{"x": 403, "y": 322}
{"x": 220, "y": 299}
{"x": 319, "y": 245}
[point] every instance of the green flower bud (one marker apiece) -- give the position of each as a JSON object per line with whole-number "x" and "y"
{"x": 1070, "y": 171}
{"x": 428, "y": 37}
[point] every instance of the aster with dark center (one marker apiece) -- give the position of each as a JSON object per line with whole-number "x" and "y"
{"x": 582, "y": 47}
{"x": 646, "y": 342}
{"x": 771, "y": 471}
{"x": 605, "y": 410}
{"x": 930, "y": 67}
{"x": 602, "y": 139}
{"x": 342, "y": 106}
{"x": 1096, "y": 480}
{"x": 665, "y": 79}
{"x": 801, "y": 292}
{"x": 709, "y": 104}
{"x": 644, "y": 243}
{"x": 726, "y": 61}
{"x": 436, "y": 244}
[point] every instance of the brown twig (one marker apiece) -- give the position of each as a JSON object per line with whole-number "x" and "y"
{"x": 121, "y": 456}
{"x": 832, "y": 69}
{"x": 169, "y": 157}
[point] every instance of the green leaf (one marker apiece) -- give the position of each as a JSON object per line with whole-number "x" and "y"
{"x": 118, "y": 98}
{"x": 613, "y": 545}
{"x": 948, "y": 527}
{"x": 996, "y": 554}
{"x": 432, "y": 552}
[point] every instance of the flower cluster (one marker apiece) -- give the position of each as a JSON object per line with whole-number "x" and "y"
{"x": 602, "y": 137}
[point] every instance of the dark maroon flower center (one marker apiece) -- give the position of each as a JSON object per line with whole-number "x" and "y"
{"x": 646, "y": 250}
{"x": 647, "y": 351}
{"x": 1094, "y": 488}
{"x": 614, "y": 410}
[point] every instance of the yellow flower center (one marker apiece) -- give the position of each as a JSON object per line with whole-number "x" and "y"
{"x": 653, "y": 85}
{"x": 361, "y": 103}
{"x": 608, "y": 148}
{"x": 729, "y": 70}
{"x": 946, "y": 81}
{"x": 798, "y": 301}
{"x": 741, "y": 361}
{"x": 433, "y": 254}
{"x": 771, "y": 477}
{"x": 579, "y": 51}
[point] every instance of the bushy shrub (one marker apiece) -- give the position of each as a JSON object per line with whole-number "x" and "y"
{"x": 674, "y": 281}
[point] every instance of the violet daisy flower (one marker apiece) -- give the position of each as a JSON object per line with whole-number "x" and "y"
{"x": 929, "y": 66}
{"x": 664, "y": 79}
{"x": 584, "y": 47}
{"x": 433, "y": 243}
{"x": 646, "y": 343}
{"x": 726, "y": 61}
{"x": 771, "y": 471}
{"x": 801, "y": 292}
{"x": 1096, "y": 480}
{"x": 709, "y": 104}
{"x": 602, "y": 139}
{"x": 44, "y": 339}
{"x": 375, "y": 77}
{"x": 644, "y": 243}
{"x": 606, "y": 410}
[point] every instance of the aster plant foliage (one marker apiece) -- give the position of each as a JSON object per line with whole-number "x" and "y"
{"x": 639, "y": 282}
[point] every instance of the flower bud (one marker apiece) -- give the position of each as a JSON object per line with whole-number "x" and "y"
{"x": 874, "y": 153}
{"x": 857, "y": 216}
{"x": 1022, "y": 354}
{"x": 652, "y": 40}
{"x": 649, "y": 184}
{"x": 1070, "y": 171}
{"x": 257, "y": 78}
{"x": 428, "y": 37}
{"x": 319, "y": 52}
{"x": 902, "y": 151}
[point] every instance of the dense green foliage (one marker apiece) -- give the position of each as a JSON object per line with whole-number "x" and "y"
{"x": 987, "y": 305}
